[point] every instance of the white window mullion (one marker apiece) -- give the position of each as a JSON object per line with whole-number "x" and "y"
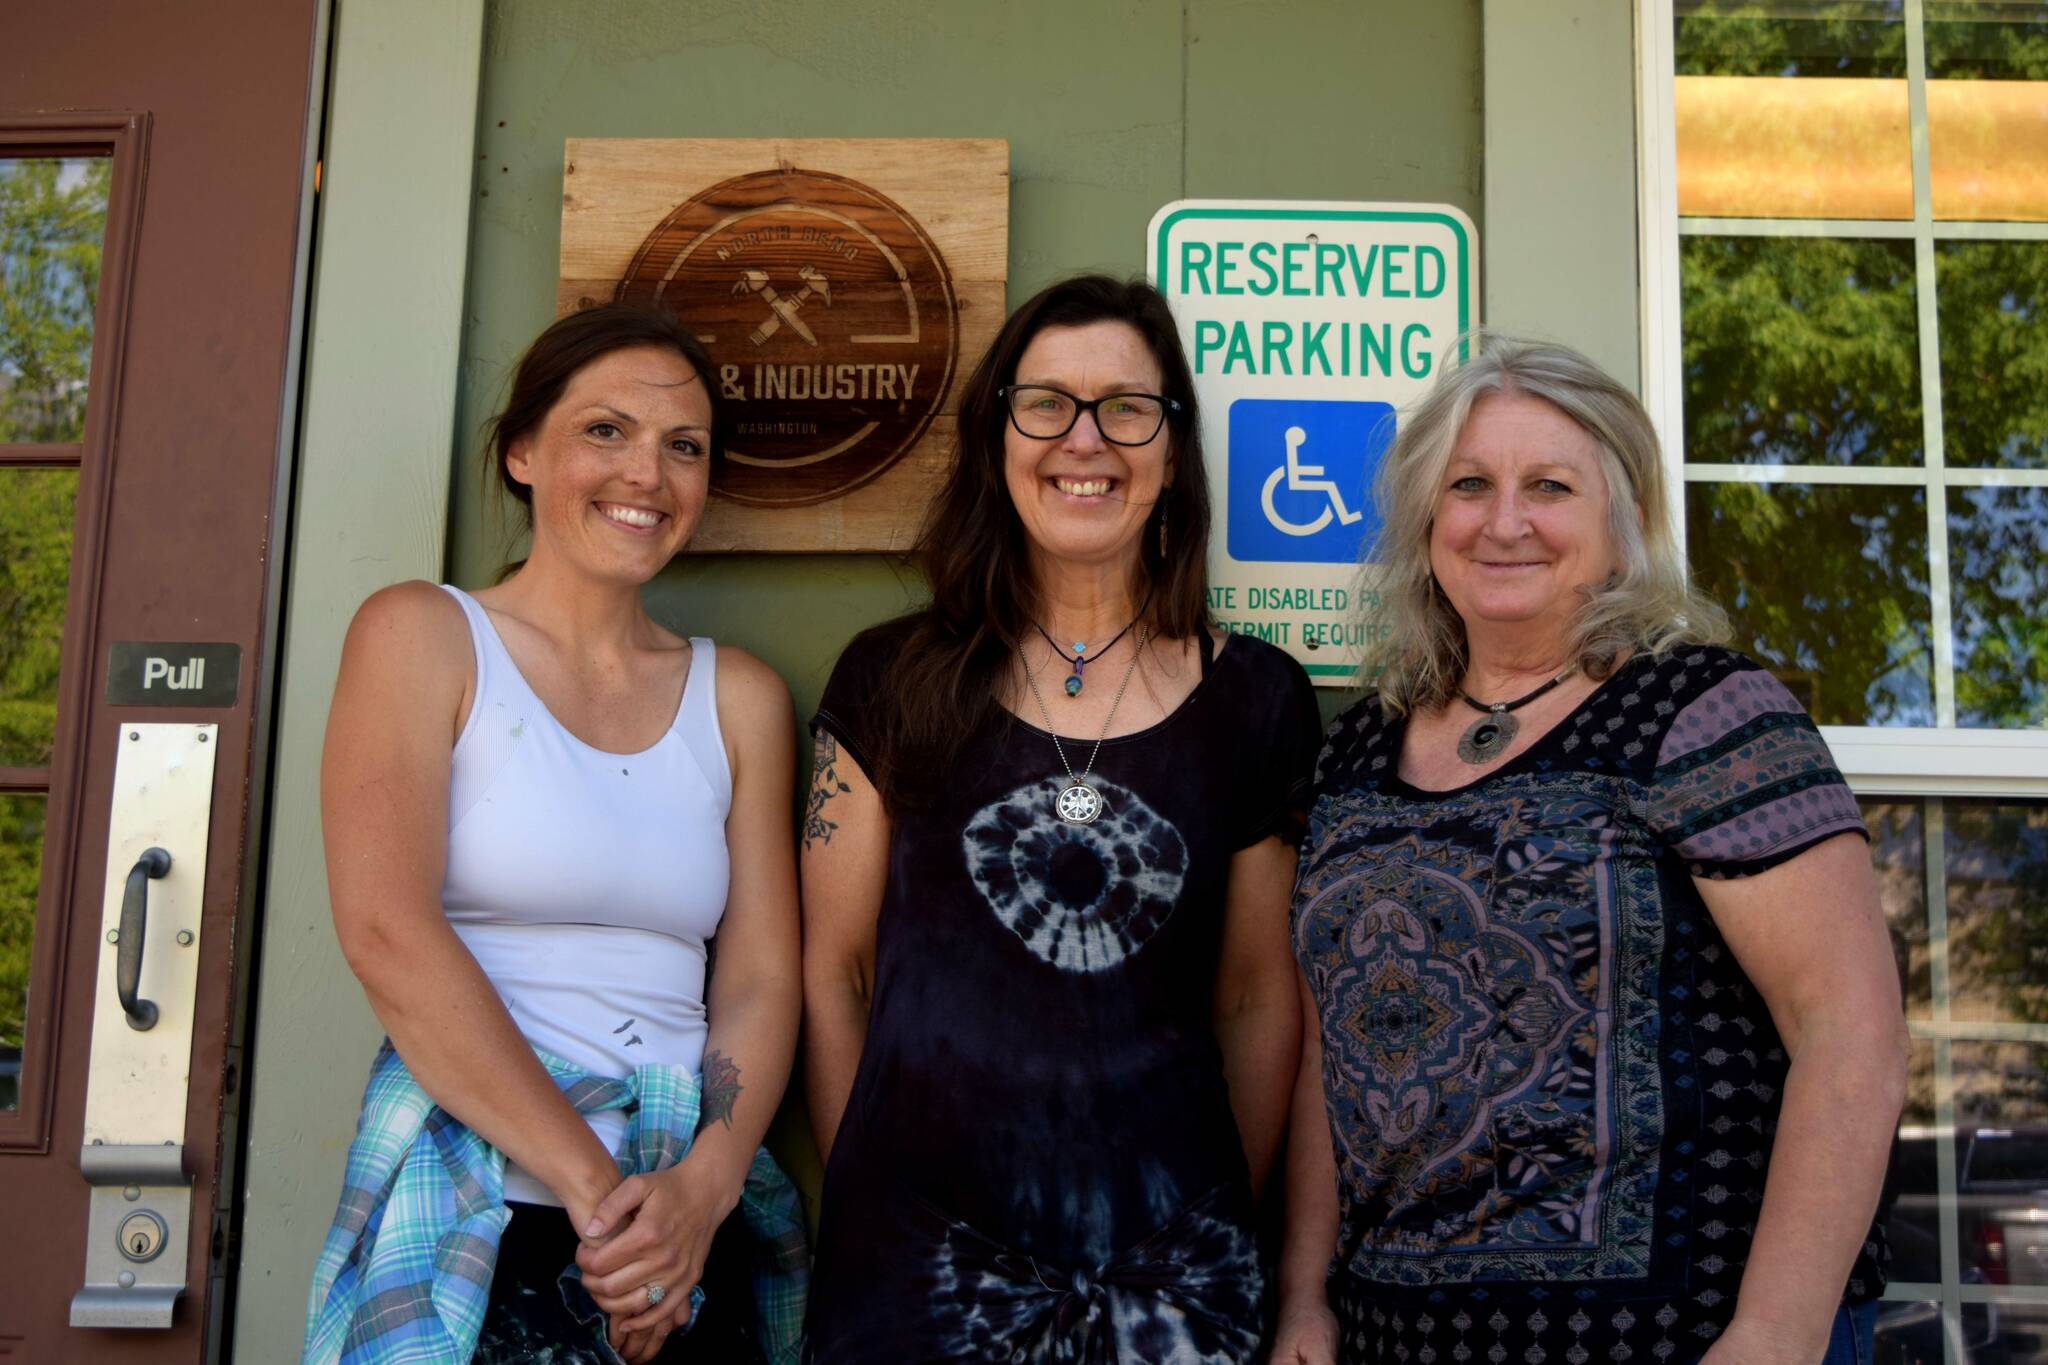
{"x": 1941, "y": 626}
{"x": 1657, "y": 245}
{"x": 1910, "y": 475}
{"x": 1795, "y": 227}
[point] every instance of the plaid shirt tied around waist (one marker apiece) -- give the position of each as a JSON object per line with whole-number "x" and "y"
{"x": 404, "y": 1277}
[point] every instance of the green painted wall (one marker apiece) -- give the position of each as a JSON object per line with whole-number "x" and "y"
{"x": 1111, "y": 110}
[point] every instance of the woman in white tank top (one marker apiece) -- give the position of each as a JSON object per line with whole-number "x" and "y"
{"x": 540, "y": 805}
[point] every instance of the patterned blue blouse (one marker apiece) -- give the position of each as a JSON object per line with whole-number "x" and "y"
{"x": 1552, "y": 1090}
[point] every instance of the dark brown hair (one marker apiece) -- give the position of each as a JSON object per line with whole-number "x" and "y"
{"x": 940, "y": 688}
{"x": 570, "y": 343}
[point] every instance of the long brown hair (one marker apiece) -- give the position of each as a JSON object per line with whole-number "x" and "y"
{"x": 941, "y": 687}
{"x": 572, "y": 342}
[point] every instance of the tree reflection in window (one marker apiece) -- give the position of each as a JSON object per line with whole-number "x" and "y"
{"x": 53, "y": 217}
{"x": 1998, "y": 584}
{"x": 1994, "y": 353}
{"x": 1800, "y": 351}
{"x": 1827, "y": 587}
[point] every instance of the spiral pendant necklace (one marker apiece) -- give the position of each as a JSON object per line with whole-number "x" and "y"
{"x": 1495, "y": 729}
{"x": 1078, "y": 803}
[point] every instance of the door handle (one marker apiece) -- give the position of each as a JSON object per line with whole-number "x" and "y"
{"x": 138, "y": 1233}
{"x": 153, "y": 864}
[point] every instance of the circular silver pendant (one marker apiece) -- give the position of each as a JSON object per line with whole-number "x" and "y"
{"x": 1079, "y": 804}
{"x": 1487, "y": 736}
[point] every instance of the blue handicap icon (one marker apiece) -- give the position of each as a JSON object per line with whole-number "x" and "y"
{"x": 1300, "y": 471}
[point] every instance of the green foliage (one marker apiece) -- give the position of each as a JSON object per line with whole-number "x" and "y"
{"x": 2003, "y": 41}
{"x": 1806, "y": 351}
{"x": 1844, "y": 38}
{"x": 52, "y": 219}
{"x": 21, "y": 843}
{"x": 35, "y": 572}
{"x": 1997, "y": 874}
{"x": 1800, "y": 350}
{"x": 1966, "y": 39}
{"x": 53, "y": 216}
{"x": 1994, "y": 354}
{"x": 1999, "y": 572}
{"x": 1827, "y": 586}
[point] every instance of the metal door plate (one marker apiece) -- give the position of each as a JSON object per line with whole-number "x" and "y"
{"x": 133, "y": 1150}
{"x": 120, "y": 1291}
{"x": 163, "y": 796}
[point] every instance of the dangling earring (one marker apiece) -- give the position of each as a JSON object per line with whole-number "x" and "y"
{"x": 1162, "y": 530}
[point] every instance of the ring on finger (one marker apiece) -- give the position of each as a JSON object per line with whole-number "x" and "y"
{"x": 655, "y": 1293}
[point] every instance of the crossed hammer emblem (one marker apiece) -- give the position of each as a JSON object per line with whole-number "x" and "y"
{"x": 784, "y": 308}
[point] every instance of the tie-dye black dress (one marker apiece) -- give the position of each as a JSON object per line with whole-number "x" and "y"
{"x": 1039, "y": 1160}
{"x": 1552, "y": 1089}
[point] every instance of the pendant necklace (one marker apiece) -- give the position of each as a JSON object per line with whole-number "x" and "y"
{"x": 1495, "y": 729}
{"x": 1079, "y": 803}
{"x": 1082, "y": 657}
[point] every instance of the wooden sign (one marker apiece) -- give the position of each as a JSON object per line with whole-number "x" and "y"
{"x": 843, "y": 288}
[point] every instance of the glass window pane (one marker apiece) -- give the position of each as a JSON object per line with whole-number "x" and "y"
{"x": 1800, "y": 351}
{"x": 1998, "y": 588}
{"x": 1915, "y": 1224}
{"x": 1996, "y": 856}
{"x": 1987, "y": 109}
{"x": 35, "y": 572}
{"x": 1898, "y": 849}
{"x": 1908, "y": 1331}
{"x": 21, "y": 864}
{"x": 2001, "y": 1145}
{"x": 1800, "y": 111}
{"x": 1827, "y": 587}
{"x": 53, "y": 219}
{"x": 1994, "y": 351}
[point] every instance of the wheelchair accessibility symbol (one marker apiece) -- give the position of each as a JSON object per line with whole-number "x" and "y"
{"x": 1298, "y": 475}
{"x": 1304, "y": 478}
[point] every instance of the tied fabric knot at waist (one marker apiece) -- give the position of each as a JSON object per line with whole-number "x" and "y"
{"x": 1188, "y": 1291}
{"x": 405, "y": 1273}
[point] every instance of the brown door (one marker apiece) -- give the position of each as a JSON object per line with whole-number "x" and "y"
{"x": 152, "y": 173}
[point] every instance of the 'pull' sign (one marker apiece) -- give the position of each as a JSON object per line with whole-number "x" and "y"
{"x": 148, "y": 673}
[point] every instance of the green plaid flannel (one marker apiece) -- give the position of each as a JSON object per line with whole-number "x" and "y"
{"x": 405, "y": 1274}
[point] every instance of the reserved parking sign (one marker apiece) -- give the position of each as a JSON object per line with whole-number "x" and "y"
{"x": 1308, "y": 325}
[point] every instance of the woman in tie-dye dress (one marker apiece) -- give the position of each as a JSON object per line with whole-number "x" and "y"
{"x": 1051, "y": 1020}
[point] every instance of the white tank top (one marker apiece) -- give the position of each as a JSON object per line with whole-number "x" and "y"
{"x": 588, "y": 883}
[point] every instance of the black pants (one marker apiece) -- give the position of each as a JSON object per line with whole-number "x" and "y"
{"x": 528, "y": 1318}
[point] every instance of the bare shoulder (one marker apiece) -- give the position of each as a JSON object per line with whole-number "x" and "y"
{"x": 413, "y": 626}
{"x": 407, "y": 668}
{"x": 753, "y": 700}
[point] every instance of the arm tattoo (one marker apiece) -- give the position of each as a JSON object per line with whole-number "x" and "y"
{"x": 721, "y": 1090}
{"x": 825, "y": 785}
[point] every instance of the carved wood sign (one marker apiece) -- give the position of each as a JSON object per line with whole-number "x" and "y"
{"x": 842, "y": 288}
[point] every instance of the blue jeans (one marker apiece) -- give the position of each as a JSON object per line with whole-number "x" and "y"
{"x": 1850, "y": 1342}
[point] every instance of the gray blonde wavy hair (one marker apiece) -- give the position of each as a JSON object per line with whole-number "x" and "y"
{"x": 1648, "y": 606}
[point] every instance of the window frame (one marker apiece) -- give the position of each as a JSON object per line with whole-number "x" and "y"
{"x": 1938, "y": 760}
{"x": 1896, "y": 762}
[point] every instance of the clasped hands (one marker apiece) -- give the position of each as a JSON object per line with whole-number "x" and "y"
{"x": 650, "y": 1229}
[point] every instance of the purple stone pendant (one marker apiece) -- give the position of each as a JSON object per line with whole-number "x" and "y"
{"x": 1074, "y": 678}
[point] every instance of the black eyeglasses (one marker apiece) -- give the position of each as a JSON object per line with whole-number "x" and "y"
{"x": 1124, "y": 419}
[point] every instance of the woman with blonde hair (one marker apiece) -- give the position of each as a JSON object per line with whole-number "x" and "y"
{"x": 1603, "y": 1039}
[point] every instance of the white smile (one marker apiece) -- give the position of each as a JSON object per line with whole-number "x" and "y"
{"x": 1083, "y": 488}
{"x": 639, "y": 518}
